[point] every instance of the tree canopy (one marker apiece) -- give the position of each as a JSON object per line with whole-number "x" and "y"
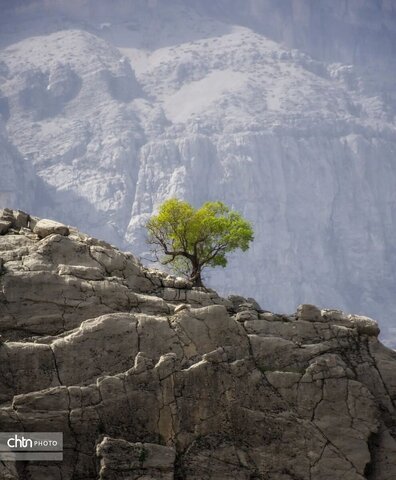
{"x": 192, "y": 239}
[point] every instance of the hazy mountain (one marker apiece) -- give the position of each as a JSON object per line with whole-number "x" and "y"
{"x": 283, "y": 109}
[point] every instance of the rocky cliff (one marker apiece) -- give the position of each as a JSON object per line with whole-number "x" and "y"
{"x": 285, "y": 110}
{"x": 150, "y": 378}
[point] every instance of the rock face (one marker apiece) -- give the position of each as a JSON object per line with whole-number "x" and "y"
{"x": 150, "y": 378}
{"x": 43, "y": 228}
{"x": 283, "y": 109}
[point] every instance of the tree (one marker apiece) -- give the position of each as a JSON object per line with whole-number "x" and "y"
{"x": 192, "y": 239}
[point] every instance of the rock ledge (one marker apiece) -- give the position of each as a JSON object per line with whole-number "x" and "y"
{"x": 150, "y": 378}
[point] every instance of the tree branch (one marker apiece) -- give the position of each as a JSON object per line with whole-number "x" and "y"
{"x": 157, "y": 239}
{"x": 213, "y": 253}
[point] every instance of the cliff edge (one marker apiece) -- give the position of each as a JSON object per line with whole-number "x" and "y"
{"x": 150, "y": 378}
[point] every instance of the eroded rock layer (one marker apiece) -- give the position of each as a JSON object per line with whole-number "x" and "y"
{"x": 283, "y": 109}
{"x": 150, "y": 378}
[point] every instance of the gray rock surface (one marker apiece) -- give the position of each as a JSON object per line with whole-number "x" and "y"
{"x": 45, "y": 227}
{"x": 135, "y": 460}
{"x": 149, "y": 378}
{"x": 283, "y": 109}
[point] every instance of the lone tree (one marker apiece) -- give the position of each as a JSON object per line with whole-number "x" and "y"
{"x": 191, "y": 239}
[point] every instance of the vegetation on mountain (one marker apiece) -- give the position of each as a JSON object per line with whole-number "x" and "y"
{"x": 192, "y": 239}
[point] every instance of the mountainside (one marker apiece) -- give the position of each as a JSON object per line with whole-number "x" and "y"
{"x": 150, "y": 378}
{"x": 108, "y": 111}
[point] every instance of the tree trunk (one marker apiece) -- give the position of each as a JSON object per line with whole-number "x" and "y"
{"x": 197, "y": 280}
{"x": 195, "y": 276}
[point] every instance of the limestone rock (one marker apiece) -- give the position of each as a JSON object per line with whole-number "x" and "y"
{"x": 365, "y": 325}
{"x": 45, "y": 227}
{"x": 86, "y": 273}
{"x": 309, "y": 313}
{"x": 16, "y": 218}
{"x": 4, "y": 226}
{"x": 182, "y": 306}
{"x": 21, "y": 219}
{"x": 121, "y": 459}
{"x": 246, "y": 315}
{"x": 150, "y": 378}
{"x": 239, "y": 303}
{"x": 6, "y": 214}
{"x": 101, "y": 164}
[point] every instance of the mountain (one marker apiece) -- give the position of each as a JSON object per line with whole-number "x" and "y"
{"x": 150, "y": 378}
{"x": 284, "y": 110}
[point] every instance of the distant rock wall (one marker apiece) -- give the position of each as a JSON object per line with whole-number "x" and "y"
{"x": 109, "y": 111}
{"x": 150, "y": 378}
{"x": 348, "y": 31}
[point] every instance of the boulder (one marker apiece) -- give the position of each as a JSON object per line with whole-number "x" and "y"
{"x": 365, "y": 325}
{"x": 45, "y": 227}
{"x": 5, "y": 225}
{"x": 21, "y": 219}
{"x": 246, "y": 315}
{"x": 309, "y": 313}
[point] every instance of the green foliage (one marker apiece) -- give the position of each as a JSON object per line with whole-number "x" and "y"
{"x": 192, "y": 239}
